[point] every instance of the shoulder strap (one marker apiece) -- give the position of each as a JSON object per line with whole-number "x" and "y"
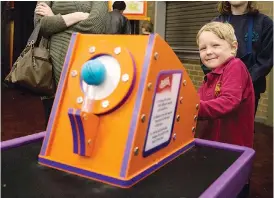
{"x": 35, "y": 33}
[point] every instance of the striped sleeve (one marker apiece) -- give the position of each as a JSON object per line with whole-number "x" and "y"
{"x": 50, "y": 24}
{"x": 97, "y": 20}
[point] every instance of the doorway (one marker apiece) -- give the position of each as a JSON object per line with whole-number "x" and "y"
{"x": 134, "y": 26}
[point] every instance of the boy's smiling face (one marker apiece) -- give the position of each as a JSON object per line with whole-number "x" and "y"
{"x": 213, "y": 50}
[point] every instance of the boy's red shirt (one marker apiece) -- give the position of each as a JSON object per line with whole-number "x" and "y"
{"x": 227, "y": 104}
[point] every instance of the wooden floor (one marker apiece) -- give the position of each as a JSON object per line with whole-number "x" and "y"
{"x": 22, "y": 114}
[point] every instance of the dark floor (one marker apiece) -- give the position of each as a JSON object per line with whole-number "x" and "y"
{"x": 22, "y": 114}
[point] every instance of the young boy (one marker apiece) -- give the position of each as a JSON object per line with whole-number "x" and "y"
{"x": 227, "y": 95}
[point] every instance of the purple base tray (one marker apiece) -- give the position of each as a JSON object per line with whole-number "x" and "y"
{"x": 22, "y": 140}
{"x": 229, "y": 184}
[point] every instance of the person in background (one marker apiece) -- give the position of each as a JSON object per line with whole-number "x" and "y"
{"x": 119, "y": 24}
{"x": 58, "y": 20}
{"x": 254, "y": 32}
{"x": 147, "y": 28}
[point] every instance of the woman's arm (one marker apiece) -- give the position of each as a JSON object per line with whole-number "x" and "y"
{"x": 96, "y": 21}
{"x": 52, "y": 24}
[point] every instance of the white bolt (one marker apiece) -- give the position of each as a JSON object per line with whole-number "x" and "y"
{"x": 125, "y": 77}
{"x": 105, "y": 103}
{"x": 79, "y": 100}
{"x": 89, "y": 141}
{"x": 73, "y": 73}
{"x": 92, "y": 49}
{"x": 174, "y": 136}
{"x": 156, "y": 55}
{"x": 136, "y": 151}
{"x": 117, "y": 50}
{"x": 181, "y": 99}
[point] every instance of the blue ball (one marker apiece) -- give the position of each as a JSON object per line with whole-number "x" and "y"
{"x": 93, "y": 72}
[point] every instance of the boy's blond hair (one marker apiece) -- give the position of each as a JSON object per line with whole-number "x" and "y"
{"x": 224, "y": 31}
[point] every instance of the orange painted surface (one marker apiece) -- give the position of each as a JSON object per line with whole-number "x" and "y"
{"x": 167, "y": 60}
{"x": 109, "y": 137}
{"x": 91, "y": 131}
{"x": 113, "y": 128}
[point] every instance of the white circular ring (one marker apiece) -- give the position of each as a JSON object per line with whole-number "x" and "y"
{"x": 113, "y": 75}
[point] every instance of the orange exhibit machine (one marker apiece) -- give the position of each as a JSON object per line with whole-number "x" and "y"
{"x": 125, "y": 107}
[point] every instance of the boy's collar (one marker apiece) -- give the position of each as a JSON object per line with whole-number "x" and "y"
{"x": 220, "y": 69}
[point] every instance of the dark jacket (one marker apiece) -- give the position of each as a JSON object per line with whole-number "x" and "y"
{"x": 261, "y": 61}
{"x": 118, "y": 24}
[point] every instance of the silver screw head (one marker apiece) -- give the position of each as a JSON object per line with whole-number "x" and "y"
{"x": 149, "y": 86}
{"x": 174, "y": 136}
{"x": 143, "y": 117}
{"x": 125, "y": 77}
{"x": 92, "y": 49}
{"x": 136, "y": 151}
{"x": 181, "y": 100}
{"x": 74, "y": 73}
{"x": 156, "y": 55}
{"x": 79, "y": 100}
{"x": 117, "y": 50}
{"x": 105, "y": 103}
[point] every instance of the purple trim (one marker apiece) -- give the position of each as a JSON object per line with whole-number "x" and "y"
{"x": 233, "y": 179}
{"x": 74, "y": 130}
{"x": 79, "y": 171}
{"x": 220, "y": 145}
{"x": 81, "y": 133}
{"x": 137, "y": 105}
{"x": 58, "y": 94}
{"x": 164, "y": 144}
{"x": 22, "y": 140}
{"x": 123, "y": 183}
